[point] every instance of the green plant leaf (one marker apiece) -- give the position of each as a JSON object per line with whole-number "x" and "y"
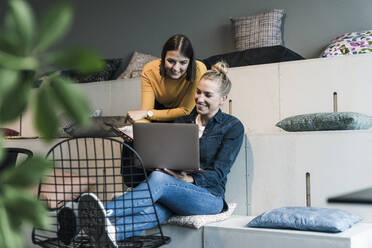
{"x": 27, "y": 173}
{"x": 9, "y": 238}
{"x": 10, "y": 41}
{"x": 8, "y": 79}
{"x": 15, "y": 223}
{"x": 1, "y": 147}
{"x": 22, "y": 206}
{"x": 18, "y": 63}
{"x": 7, "y": 44}
{"x": 55, "y": 24}
{"x": 23, "y": 20}
{"x": 71, "y": 99}
{"x": 45, "y": 117}
{"x": 15, "y": 101}
{"x": 81, "y": 60}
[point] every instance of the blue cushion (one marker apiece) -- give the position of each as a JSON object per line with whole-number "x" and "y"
{"x": 306, "y": 219}
{"x": 326, "y": 121}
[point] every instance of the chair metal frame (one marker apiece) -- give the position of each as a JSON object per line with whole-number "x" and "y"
{"x": 77, "y": 162}
{"x": 11, "y": 155}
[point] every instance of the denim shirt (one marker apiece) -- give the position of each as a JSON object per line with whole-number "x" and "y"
{"x": 219, "y": 147}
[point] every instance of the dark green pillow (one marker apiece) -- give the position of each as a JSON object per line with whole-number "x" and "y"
{"x": 326, "y": 121}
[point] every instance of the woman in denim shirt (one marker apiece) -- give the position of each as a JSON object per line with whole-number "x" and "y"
{"x": 180, "y": 193}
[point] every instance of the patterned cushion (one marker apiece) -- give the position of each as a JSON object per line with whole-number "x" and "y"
{"x": 136, "y": 64}
{"x": 350, "y": 44}
{"x": 108, "y": 73}
{"x": 306, "y": 219}
{"x": 197, "y": 221}
{"x": 260, "y": 30}
{"x": 326, "y": 121}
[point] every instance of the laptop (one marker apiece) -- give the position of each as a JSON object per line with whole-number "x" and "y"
{"x": 173, "y": 146}
{"x": 120, "y": 133}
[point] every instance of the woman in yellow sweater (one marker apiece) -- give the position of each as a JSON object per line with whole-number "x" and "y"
{"x": 169, "y": 83}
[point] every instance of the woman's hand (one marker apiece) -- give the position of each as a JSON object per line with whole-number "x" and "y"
{"x": 182, "y": 175}
{"x": 135, "y": 115}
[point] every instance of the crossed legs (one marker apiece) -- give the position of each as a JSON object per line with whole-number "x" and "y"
{"x": 132, "y": 213}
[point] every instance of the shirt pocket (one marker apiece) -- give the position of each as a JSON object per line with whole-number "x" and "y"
{"x": 212, "y": 145}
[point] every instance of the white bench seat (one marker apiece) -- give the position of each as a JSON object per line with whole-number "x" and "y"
{"x": 234, "y": 233}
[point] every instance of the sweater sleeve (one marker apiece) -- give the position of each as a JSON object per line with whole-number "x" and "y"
{"x": 147, "y": 95}
{"x": 187, "y": 103}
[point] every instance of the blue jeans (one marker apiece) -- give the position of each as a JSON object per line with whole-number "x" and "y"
{"x": 170, "y": 195}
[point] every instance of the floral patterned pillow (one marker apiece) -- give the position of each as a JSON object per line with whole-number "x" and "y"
{"x": 350, "y": 44}
{"x": 197, "y": 221}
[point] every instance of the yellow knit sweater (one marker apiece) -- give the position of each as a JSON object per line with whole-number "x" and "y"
{"x": 175, "y": 94}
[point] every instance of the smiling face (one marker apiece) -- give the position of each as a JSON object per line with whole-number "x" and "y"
{"x": 175, "y": 64}
{"x": 208, "y": 98}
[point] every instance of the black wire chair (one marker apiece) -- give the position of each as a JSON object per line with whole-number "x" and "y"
{"x": 11, "y": 156}
{"x": 94, "y": 165}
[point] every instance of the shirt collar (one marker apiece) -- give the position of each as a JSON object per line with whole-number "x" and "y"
{"x": 217, "y": 117}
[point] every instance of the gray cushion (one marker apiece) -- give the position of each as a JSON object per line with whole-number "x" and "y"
{"x": 197, "y": 221}
{"x": 261, "y": 30}
{"x": 306, "y": 219}
{"x": 136, "y": 64}
{"x": 326, "y": 121}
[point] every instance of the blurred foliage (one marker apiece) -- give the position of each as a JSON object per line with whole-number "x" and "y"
{"x": 24, "y": 53}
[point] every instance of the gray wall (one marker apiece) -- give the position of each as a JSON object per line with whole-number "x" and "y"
{"x": 116, "y": 28}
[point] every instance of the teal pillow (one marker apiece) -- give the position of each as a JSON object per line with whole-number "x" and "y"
{"x": 326, "y": 121}
{"x": 306, "y": 219}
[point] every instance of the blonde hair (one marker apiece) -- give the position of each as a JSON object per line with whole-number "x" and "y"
{"x": 218, "y": 73}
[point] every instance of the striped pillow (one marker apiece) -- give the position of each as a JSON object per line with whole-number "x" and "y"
{"x": 259, "y": 30}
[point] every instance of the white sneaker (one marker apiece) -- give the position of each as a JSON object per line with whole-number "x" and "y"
{"x": 95, "y": 223}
